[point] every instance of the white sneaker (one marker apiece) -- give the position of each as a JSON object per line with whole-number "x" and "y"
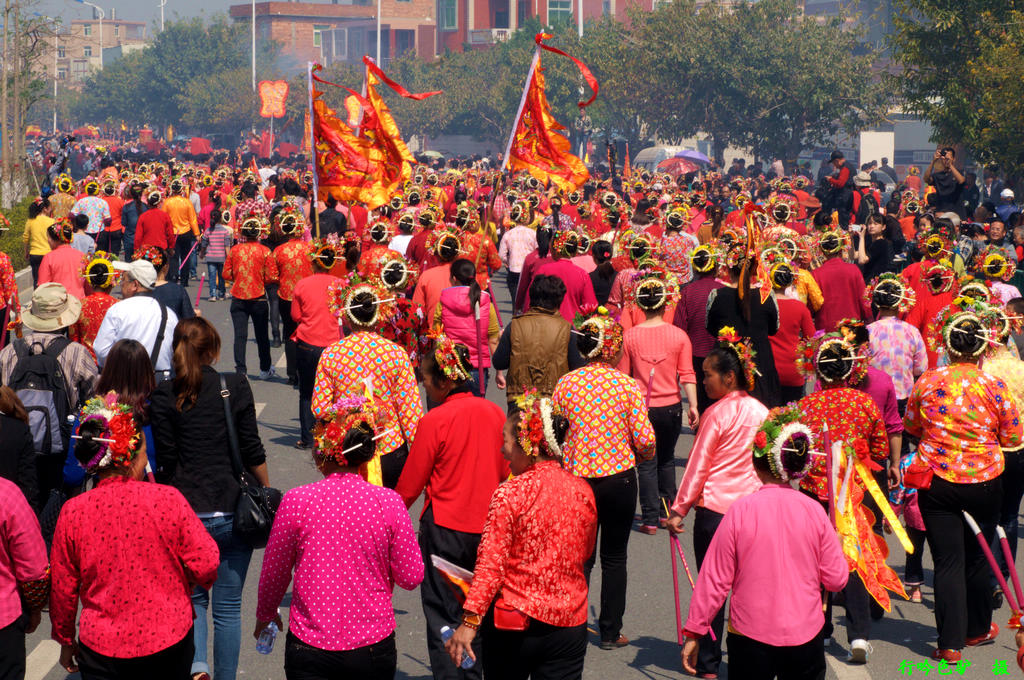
{"x": 268, "y": 374}
{"x": 859, "y": 650}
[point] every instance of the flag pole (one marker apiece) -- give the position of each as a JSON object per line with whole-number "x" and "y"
{"x": 522, "y": 105}
{"x": 312, "y": 150}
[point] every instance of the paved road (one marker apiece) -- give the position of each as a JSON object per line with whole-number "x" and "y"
{"x": 907, "y": 634}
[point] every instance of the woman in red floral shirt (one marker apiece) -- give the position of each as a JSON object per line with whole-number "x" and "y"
{"x": 100, "y": 275}
{"x": 540, "y": 529}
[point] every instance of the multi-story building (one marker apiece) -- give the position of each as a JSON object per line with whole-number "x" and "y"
{"x": 77, "y": 47}
{"x": 344, "y": 31}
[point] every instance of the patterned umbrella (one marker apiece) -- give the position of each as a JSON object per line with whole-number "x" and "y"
{"x": 677, "y": 166}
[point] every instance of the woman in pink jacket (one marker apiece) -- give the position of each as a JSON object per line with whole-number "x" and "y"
{"x": 719, "y": 471}
{"x": 462, "y": 320}
{"x": 775, "y": 535}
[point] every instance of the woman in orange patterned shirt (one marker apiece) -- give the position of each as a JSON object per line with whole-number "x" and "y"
{"x": 608, "y": 431}
{"x": 964, "y": 417}
{"x": 364, "y": 361}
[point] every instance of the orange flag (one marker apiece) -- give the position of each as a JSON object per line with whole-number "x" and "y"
{"x": 537, "y": 144}
{"x": 627, "y": 172}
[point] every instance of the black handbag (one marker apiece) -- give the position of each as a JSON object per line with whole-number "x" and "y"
{"x": 257, "y": 504}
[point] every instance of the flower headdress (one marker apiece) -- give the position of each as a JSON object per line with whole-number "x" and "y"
{"x": 100, "y": 272}
{"x": 774, "y": 261}
{"x": 323, "y": 251}
{"x": 447, "y": 358}
{"x": 653, "y": 278}
{"x": 744, "y": 351}
{"x": 289, "y": 221}
{"x": 832, "y": 348}
{"x": 342, "y": 300}
{"x": 1002, "y": 323}
{"x": 782, "y": 432}
{"x": 939, "y": 277}
{"x": 347, "y": 412}
{"x": 966, "y": 317}
{"x": 604, "y": 330}
{"x": 936, "y": 245}
{"x": 975, "y": 288}
{"x": 704, "y": 258}
{"x": 62, "y": 230}
{"x": 832, "y": 242}
{"x": 252, "y": 225}
{"x": 730, "y": 236}
{"x": 380, "y": 232}
{"x": 392, "y": 271}
{"x": 152, "y": 254}
{"x": 119, "y": 438}
{"x": 994, "y": 264}
{"x": 536, "y": 425}
{"x": 565, "y": 242}
{"x": 890, "y": 291}
{"x": 446, "y": 235}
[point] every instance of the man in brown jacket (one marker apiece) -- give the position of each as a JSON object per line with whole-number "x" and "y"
{"x": 537, "y": 347}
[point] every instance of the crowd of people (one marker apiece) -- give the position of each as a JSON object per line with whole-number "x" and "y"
{"x": 848, "y": 358}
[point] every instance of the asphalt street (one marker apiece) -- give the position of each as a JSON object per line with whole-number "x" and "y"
{"x": 901, "y": 641}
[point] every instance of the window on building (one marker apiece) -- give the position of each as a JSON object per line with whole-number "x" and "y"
{"x": 87, "y": 51}
{"x": 559, "y": 11}
{"x": 62, "y": 74}
{"x": 449, "y": 14}
{"x": 317, "y": 30}
{"x": 340, "y": 42}
{"x": 117, "y": 31}
{"x": 87, "y": 30}
{"x": 606, "y": 6}
{"x": 61, "y": 52}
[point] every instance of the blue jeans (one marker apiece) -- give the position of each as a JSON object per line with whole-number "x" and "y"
{"x": 214, "y": 270}
{"x": 227, "y": 603}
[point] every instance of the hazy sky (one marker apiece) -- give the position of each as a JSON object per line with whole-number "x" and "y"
{"x": 135, "y": 10}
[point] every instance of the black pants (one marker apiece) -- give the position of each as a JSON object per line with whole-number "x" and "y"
{"x": 963, "y": 598}
{"x": 703, "y": 400}
{"x": 35, "y": 261}
{"x": 306, "y": 359}
{"x": 110, "y": 241}
{"x": 615, "y": 496}
{"x": 512, "y": 280}
{"x": 182, "y": 264}
{"x": 791, "y": 393}
{"x": 241, "y": 312}
{"x": 12, "y": 649}
{"x": 173, "y": 663}
{"x": 440, "y": 607}
{"x": 658, "y": 475}
{"x": 709, "y": 656}
{"x": 913, "y": 572}
{"x": 1013, "y": 491}
{"x": 541, "y": 652}
{"x": 753, "y": 660}
{"x": 289, "y": 327}
{"x": 378, "y": 661}
{"x": 391, "y": 466}
{"x": 275, "y": 311}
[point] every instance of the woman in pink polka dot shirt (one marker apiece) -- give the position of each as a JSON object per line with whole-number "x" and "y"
{"x": 349, "y": 542}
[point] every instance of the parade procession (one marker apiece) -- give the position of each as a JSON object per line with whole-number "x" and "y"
{"x": 344, "y": 401}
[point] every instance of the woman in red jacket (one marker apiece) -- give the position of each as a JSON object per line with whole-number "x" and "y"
{"x": 795, "y": 325}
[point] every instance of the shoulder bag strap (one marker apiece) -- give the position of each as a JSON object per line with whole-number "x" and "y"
{"x": 229, "y": 427}
{"x": 155, "y": 354}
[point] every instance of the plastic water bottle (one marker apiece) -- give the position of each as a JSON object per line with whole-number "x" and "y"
{"x": 265, "y": 643}
{"x": 467, "y": 661}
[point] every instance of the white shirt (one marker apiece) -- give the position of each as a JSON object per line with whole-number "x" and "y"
{"x": 400, "y": 243}
{"x": 137, "y": 318}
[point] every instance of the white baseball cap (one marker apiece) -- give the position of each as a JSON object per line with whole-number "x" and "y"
{"x": 1006, "y": 193}
{"x": 142, "y": 271}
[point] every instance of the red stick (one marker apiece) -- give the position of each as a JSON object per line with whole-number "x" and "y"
{"x": 1010, "y": 565}
{"x": 3, "y": 328}
{"x": 199, "y": 293}
{"x": 675, "y": 589}
{"x": 991, "y": 560}
{"x": 686, "y": 567}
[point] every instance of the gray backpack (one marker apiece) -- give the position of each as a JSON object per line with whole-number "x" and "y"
{"x": 39, "y": 382}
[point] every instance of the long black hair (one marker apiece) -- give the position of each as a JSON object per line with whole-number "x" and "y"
{"x": 464, "y": 272}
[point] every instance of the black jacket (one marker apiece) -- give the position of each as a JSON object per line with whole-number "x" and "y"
{"x": 192, "y": 444}
{"x": 18, "y": 457}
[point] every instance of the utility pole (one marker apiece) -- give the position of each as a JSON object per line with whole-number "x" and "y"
{"x": 5, "y": 166}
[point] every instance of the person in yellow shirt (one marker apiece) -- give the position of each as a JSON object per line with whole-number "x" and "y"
{"x": 186, "y": 230}
{"x": 36, "y": 242}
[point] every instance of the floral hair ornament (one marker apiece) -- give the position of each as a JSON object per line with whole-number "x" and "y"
{"x": 100, "y": 272}
{"x": 380, "y": 232}
{"x": 344, "y": 296}
{"x": 120, "y": 437}
{"x": 964, "y": 317}
{"x": 782, "y": 432}
{"x": 565, "y": 242}
{"x": 890, "y": 291}
{"x": 61, "y": 230}
{"x": 975, "y": 288}
{"x": 348, "y": 412}
{"x": 151, "y": 254}
{"x": 1002, "y": 323}
{"x": 323, "y": 252}
{"x": 536, "y": 425}
{"x": 778, "y": 266}
{"x": 394, "y": 273}
{"x": 939, "y": 277}
{"x": 936, "y": 246}
{"x": 744, "y": 352}
{"x": 254, "y": 226}
{"x": 289, "y": 221}
{"x": 447, "y": 357}
{"x": 995, "y": 264}
{"x": 597, "y": 325}
{"x": 832, "y": 242}
{"x": 704, "y": 258}
{"x": 653, "y": 287}
{"x": 445, "y": 237}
